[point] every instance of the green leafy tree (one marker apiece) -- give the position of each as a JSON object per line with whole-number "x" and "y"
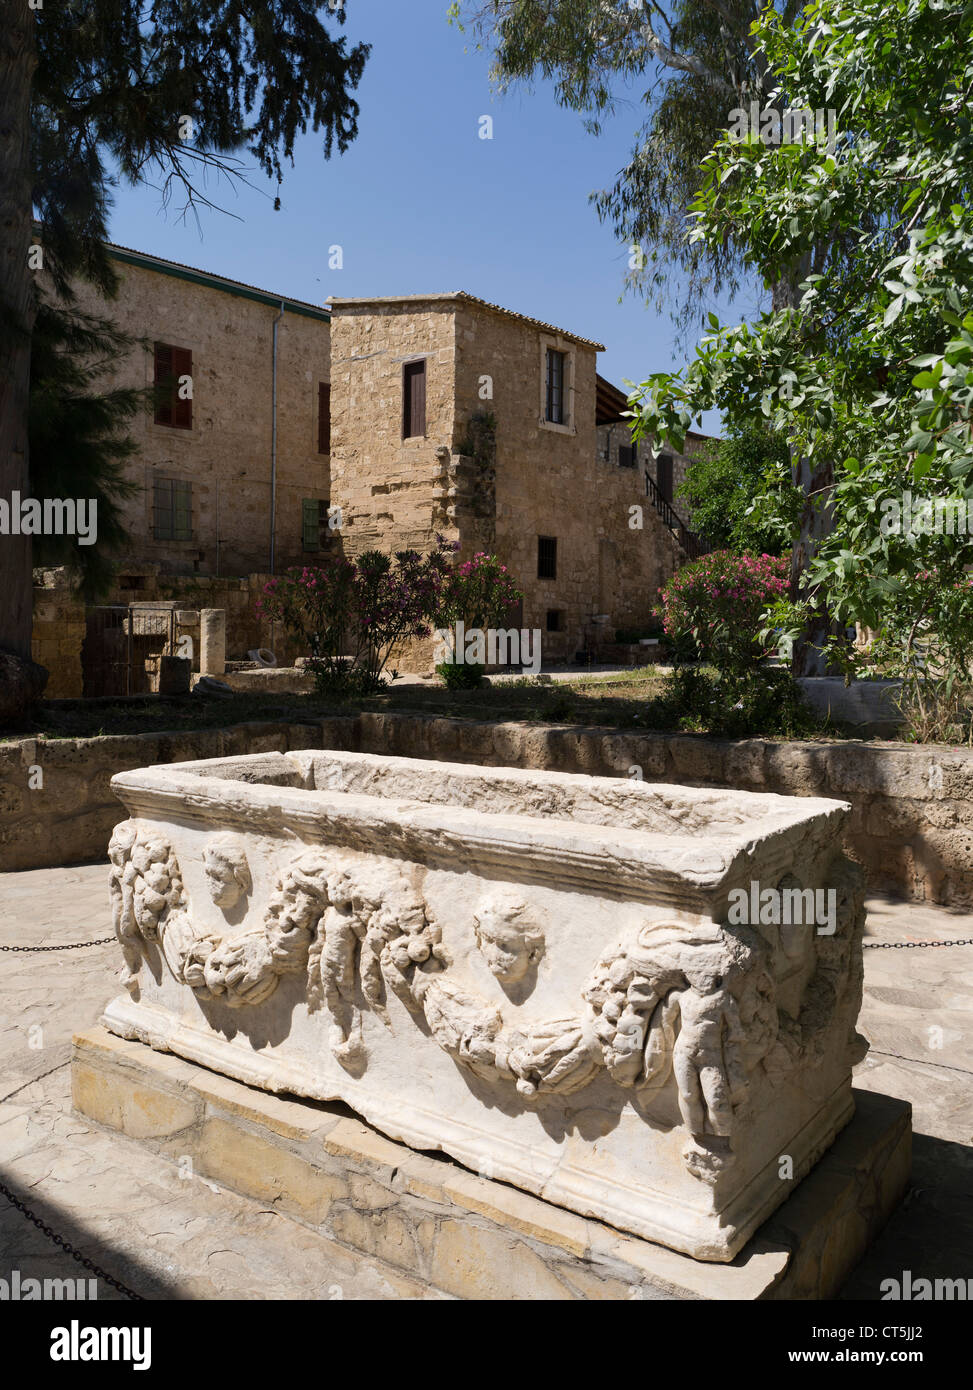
{"x": 173, "y": 93}
{"x": 739, "y": 492}
{"x": 870, "y": 370}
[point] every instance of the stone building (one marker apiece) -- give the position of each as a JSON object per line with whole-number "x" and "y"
{"x": 282, "y": 430}
{"x": 232, "y": 463}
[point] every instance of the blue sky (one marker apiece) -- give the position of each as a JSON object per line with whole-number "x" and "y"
{"x": 420, "y": 203}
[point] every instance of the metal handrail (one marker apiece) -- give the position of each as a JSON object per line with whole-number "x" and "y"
{"x": 692, "y": 542}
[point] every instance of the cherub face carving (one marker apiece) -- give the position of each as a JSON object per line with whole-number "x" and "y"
{"x": 509, "y": 938}
{"x": 227, "y": 871}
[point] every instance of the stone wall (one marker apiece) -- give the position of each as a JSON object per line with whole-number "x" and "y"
{"x": 56, "y": 804}
{"x": 245, "y": 629}
{"x": 613, "y": 551}
{"x": 58, "y": 632}
{"x": 226, "y": 455}
{"x": 388, "y": 487}
{"x": 911, "y": 825}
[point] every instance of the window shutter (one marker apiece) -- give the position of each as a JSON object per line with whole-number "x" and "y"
{"x": 182, "y": 510}
{"x": 413, "y": 399}
{"x": 310, "y": 524}
{"x": 171, "y": 363}
{"x": 163, "y": 380}
{"x": 324, "y": 417}
{"x": 182, "y": 410}
{"x": 162, "y": 509}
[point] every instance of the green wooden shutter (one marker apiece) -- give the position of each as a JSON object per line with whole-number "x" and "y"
{"x": 310, "y": 524}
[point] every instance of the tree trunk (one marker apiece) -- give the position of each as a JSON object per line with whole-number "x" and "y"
{"x": 18, "y": 59}
{"x": 806, "y": 659}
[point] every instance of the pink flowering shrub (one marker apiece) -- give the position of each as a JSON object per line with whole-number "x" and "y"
{"x": 480, "y": 593}
{"x": 351, "y": 613}
{"x": 718, "y": 602}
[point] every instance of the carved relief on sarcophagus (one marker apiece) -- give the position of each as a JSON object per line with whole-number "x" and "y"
{"x": 634, "y": 1000}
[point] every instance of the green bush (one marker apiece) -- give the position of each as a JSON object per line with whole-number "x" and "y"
{"x": 460, "y": 675}
{"x": 765, "y": 702}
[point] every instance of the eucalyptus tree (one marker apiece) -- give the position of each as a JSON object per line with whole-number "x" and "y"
{"x": 870, "y": 370}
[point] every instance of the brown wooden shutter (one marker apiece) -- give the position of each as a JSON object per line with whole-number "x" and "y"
{"x": 324, "y": 417}
{"x": 182, "y": 410}
{"x": 163, "y": 378}
{"x": 171, "y": 363}
{"x": 413, "y": 399}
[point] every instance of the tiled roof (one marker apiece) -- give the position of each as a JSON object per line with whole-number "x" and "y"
{"x": 461, "y": 296}
{"x": 217, "y": 282}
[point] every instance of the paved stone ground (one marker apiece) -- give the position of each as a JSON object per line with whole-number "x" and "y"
{"x": 166, "y": 1237}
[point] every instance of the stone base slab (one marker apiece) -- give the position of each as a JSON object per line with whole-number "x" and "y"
{"x": 464, "y": 1235}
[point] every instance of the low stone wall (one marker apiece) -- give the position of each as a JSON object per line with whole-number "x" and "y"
{"x": 911, "y": 825}
{"x": 56, "y": 802}
{"x": 58, "y": 632}
{"x": 245, "y": 629}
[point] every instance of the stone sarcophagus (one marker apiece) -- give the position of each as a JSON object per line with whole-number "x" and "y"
{"x": 637, "y": 1001}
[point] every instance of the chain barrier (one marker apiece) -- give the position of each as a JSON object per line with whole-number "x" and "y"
{"x": 71, "y": 946}
{"x": 67, "y": 1247}
{"x": 866, "y": 945}
{"x": 911, "y": 945}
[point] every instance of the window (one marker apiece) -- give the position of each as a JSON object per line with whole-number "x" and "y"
{"x": 324, "y": 417}
{"x": 315, "y": 530}
{"x": 173, "y": 386}
{"x": 173, "y": 510}
{"x": 628, "y": 456}
{"x": 546, "y": 557}
{"x": 413, "y": 400}
{"x": 555, "y": 620}
{"x": 554, "y": 395}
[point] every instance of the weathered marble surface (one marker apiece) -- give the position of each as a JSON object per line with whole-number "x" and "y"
{"x": 535, "y": 972}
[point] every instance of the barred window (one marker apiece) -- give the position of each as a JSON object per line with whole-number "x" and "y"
{"x": 173, "y": 509}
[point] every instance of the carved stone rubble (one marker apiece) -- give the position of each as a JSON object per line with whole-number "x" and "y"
{"x": 538, "y": 973}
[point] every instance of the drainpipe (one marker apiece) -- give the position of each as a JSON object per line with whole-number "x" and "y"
{"x": 273, "y": 451}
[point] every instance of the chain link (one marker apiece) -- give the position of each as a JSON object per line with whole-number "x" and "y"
{"x": 71, "y": 946}
{"x": 68, "y": 1249}
{"x": 907, "y": 945}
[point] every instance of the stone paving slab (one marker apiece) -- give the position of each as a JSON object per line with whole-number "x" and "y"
{"x": 175, "y": 1237}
